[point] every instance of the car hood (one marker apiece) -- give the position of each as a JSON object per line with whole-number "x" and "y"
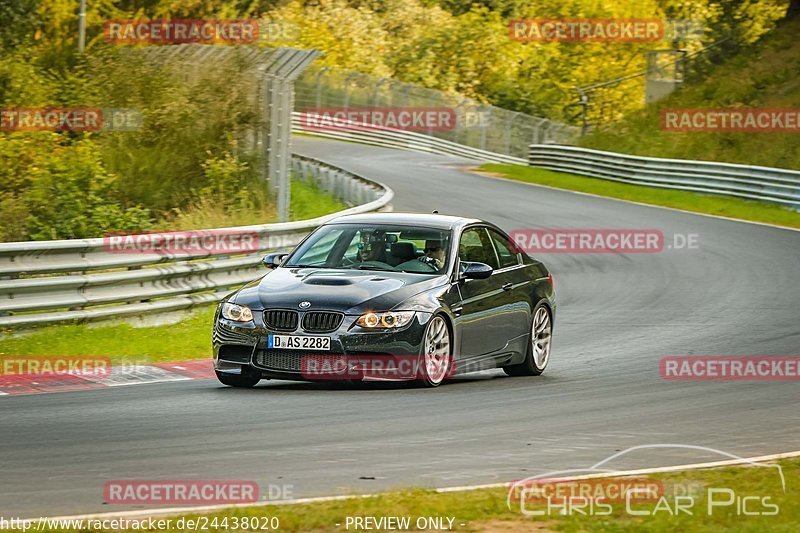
{"x": 349, "y": 291}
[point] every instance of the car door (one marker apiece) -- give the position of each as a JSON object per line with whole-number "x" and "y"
{"x": 516, "y": 305}
{"x": 481, "y": 326}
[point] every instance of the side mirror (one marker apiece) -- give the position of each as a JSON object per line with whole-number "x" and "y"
{"x": 475, "y": 270}
{"x": 274, "y": 259}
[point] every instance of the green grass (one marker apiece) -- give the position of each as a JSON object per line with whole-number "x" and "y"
{"x": 689, "y": 201}
{"x": 309, "y": 201}
{"x": 189, "y": 338}
{"x": 486, "y": 510}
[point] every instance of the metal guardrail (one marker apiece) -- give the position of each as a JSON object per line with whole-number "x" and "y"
{"x": 404, "y": 140}
{"x": 46, "y": 282}
{"x": 768, "y": 184}
{"x": 744, "y": 181}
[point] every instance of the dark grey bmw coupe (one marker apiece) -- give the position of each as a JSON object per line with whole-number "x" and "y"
{"x": 389, "y": 296}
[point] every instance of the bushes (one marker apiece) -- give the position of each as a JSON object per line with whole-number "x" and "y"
{"x": 57, "y": 190}
{"x": 185, "y": 168}
{"x": 61, "y": 185}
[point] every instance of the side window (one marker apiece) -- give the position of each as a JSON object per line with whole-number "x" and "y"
{"x": 351, "y": 253}
{"x": 475, "y": 246}
{"x": 508, "y": 257}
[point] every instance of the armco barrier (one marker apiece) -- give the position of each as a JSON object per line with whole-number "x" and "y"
{"x": 45, "y": 282}
{"x": 768, "y": 184}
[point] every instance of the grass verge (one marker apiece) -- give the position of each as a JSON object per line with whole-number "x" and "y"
{"x": 189, "y": 338}
{"x": 309, "y": 201}
{"x": 486, "y": 510}
{"x": 689, "y": 201}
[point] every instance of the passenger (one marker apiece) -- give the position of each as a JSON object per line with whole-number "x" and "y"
{"x": 372, "y": 247}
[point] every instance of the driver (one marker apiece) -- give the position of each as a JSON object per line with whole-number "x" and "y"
{"x": 434, "y": 254}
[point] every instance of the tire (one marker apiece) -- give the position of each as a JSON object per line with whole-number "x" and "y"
{"x": 246, "y": 380}
{"x": 538, "y": 354}
{"x": 437, "y": 354}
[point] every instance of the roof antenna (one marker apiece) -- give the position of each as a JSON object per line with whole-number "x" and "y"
{"x": 435, "y": 212}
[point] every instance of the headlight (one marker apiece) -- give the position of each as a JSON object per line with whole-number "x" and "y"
{"x": 387, "y": 320}
{"x": 239, "y": 313}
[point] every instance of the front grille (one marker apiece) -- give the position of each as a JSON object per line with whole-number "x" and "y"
{"x": 281, "y": 320}
{"x": 322, "y": 321}
{"x": 285, "y": 360}
{"x": 294, "y": 360}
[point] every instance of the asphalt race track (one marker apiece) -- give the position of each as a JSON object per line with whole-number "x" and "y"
{"x": 618, "y": 315}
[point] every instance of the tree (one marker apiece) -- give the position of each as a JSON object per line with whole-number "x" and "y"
{"x": 794, "y": 9}
{"x": 19, "y": 20}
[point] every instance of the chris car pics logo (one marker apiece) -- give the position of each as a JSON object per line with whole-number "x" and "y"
{"x": 600, "y": 490}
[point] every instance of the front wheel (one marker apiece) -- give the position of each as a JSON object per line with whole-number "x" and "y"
{"x": 245, "y": 380}
{"x": 436, "y": 353}
{"x": 538, "y": 347}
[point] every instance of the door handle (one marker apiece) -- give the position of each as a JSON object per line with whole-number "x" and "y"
{"x": 507, "y": 286}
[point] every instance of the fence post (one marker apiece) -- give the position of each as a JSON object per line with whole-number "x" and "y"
{"x": 318, "y": 85}
{"x": 279, "y": 105}
{"x": 347, "y": 89}
{"x": 508, "y": 132}
{"x": 484, "y": 128}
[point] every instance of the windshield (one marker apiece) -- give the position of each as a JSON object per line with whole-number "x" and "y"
{"x": 389, "y": 247}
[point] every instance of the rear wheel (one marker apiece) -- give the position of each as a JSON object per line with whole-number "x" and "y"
{"x": 436, "y": 355}
{"x": 245, "y": 380}
{"x": 538, "y": 347}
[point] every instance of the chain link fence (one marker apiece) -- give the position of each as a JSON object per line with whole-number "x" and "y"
{"x": 265, "y": 78}
{"x": 477, "y": 125}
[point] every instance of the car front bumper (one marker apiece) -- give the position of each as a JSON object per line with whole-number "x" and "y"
{"x": 354, "y": 354}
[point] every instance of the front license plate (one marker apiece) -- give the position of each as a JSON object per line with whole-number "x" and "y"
{"x": 299, "y": 342}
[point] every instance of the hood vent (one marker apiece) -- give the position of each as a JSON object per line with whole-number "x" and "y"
{"x": 328, "y": 281}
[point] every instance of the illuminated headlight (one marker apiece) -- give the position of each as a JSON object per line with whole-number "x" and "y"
{"x": 238, "y": 313}
{"x": 387, "y": 320}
